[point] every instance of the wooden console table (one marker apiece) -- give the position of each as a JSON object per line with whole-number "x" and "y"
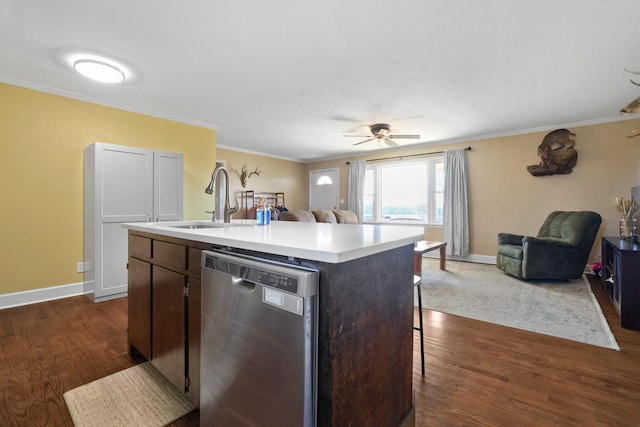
{"x": 621, "y": 278}
{"x": 424, "y": 246}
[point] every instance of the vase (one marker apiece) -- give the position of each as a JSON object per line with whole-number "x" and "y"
{"x": 627, "y": 227}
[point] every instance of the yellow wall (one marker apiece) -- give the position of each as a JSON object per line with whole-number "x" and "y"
{"x": 276, "y": 175}
{"x": 505, "y": 197}
{"x": 43, "y": 137}
{"x": 41, "y": 167}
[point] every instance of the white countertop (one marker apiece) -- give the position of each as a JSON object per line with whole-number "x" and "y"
{"x": 333, "y": 243}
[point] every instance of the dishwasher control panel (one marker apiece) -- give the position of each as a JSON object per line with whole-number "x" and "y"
{"x": 289, "y": 279}
{"x": 275, "y": 280}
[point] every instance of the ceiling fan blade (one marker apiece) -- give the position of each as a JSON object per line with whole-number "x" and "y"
{"x": 345, "y": 119}
{"x": 404, "y": 136}
{"x": 357, "y": 136}
{"x": 366, "y": 140}
{"x": 390, "y": 142}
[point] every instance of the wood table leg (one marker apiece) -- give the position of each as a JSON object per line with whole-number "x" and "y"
{"x": 417, "y": 264}
{"x": 443, "y": 257}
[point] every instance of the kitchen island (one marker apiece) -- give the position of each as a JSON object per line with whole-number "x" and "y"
{"x": 365, "y": 310}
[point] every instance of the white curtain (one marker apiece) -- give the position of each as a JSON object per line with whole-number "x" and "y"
{"x": 455, "y": 226}
{"x": 355, "y": 189}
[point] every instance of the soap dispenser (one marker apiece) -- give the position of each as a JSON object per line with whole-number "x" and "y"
{"x": 263, "y": 214}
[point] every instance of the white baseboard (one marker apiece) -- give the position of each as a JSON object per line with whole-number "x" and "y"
{"x": 480, "y": 259}
{"x": 17, "y": 299}
{"x": 93, "y": 297}
{"x": 484, "y": 259}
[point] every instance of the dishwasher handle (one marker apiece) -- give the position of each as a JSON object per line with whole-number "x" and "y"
{"x": 243, "y": 285}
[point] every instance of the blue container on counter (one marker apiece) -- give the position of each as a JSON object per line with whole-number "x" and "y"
{"x": 263, "y": 215}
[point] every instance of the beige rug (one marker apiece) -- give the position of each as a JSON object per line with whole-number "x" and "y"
{"x": 564, "y": 309}
{"x": 138, "y": 396}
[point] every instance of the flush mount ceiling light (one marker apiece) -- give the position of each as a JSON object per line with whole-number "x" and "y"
{"x": 99, "y": 71}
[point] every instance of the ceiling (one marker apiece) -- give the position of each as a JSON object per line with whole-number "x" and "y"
{"x": 288, "y": 78}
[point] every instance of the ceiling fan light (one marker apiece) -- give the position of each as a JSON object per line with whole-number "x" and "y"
{"x": 99, "y": 71}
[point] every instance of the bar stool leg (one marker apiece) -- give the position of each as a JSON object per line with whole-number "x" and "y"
{"x": 417, "y": 282}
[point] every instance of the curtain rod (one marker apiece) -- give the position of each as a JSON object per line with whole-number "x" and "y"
{"x": 408, "y": 155}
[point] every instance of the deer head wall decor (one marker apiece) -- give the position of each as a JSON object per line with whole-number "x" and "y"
{"x": 633, "y": 106}
{"x": 244, "y": 175}
{"x": 633, "y": 72}
{"x": 635, "y": 132}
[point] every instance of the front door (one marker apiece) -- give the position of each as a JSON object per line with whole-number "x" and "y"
{"x": 323, "y": 189}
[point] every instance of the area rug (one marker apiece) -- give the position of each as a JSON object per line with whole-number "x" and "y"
{"x": 138, "y": 396}
{"x": 565, "y": 309}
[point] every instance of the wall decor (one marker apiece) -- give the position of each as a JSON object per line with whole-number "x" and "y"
{"x": 244, "y": 175}
{"x": 633, "y": 106}
{"x": 557, "y": 154}
{"x": 634, "y": 132}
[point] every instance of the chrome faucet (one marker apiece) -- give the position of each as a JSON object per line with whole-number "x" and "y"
{"x": 228, "y": 210}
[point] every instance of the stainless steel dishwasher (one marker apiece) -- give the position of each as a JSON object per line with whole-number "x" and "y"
{"x": 258, "y": 342}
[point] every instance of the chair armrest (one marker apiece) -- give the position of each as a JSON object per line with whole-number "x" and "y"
{"x": 547, "y": 242}
{"x": 545, "y": 258}
{"x": 509, "y": 239}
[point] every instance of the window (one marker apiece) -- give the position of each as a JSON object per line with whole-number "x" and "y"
{"x": 324, "y": 180}
{"x": 405, "y": 191}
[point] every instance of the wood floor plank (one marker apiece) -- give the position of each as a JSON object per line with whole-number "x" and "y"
{"x": 478, "y": 374}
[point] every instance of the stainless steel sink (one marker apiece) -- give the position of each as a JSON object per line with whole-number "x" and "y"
{"x": 200, "y": 225}
{"x": 196, "y": 226}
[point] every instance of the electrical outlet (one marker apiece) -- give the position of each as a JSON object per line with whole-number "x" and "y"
{"x": 80, "y": 267}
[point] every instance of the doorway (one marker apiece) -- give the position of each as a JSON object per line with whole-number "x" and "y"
{"x": 324, "y": 189}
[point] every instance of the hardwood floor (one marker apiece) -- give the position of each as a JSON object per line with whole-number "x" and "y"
{"x": 481, "y": 374}
{"x": 478, "y": 374}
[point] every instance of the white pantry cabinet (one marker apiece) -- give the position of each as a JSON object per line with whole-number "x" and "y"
{"x": 123, "y": 184}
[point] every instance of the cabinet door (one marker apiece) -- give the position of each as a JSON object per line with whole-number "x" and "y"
{"x": 118, "y": 187}
{"x": 617, "y": 279}
{"x": 168, "y": 332}
{"x": 124, "y": 183}
{"x": 139, "y": 306}
{"x": 193, "y": 332}
{"x": 167, "y": 192}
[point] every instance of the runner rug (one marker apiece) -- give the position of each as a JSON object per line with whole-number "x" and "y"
{"x": 565, "y": 309}
{"x": 138, "y": 396}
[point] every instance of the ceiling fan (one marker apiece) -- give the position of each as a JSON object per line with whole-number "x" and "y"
{"x": 381, "y": 132}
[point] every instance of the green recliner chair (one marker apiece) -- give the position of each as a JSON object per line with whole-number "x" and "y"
{"x": 559, "y": 251}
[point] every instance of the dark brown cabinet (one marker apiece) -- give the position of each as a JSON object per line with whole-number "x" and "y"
{"x": 139, "y": 306}
{"x": 621, "y": 278}
{"x": 164, "y": 308}
{"x": 364, "y": 304}
{"x": 168, "y": 331}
